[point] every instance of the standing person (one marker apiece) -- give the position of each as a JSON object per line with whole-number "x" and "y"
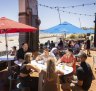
{"x": 48, "y": 44}
{"x": 50, "y": 77}
{"x": 84, "y": 74}
{"x": 21, "y": 52}
{"x": 88, "y": 46}
{"x": 76, "y": 47}
{"x": 60, "y": 44}
{"x": 52, "y": 45}
{"x": 26, "y": 69}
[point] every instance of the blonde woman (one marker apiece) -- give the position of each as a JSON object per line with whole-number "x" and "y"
{"x": 25, "y": 70}
{"x": 51, "y": 79}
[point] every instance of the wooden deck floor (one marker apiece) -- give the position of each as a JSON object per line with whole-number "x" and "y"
{"x": 89, "y": 60}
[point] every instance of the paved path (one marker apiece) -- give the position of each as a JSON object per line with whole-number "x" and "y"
{"x": 90, "y": 61}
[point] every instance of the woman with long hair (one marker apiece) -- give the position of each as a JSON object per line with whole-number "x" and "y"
{"x": 26, "y": 69}
{"x": 51, "y": 79}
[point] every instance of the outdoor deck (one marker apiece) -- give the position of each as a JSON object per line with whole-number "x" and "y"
{"x": 90, "y": 61}
{"x": 4, "y": 86}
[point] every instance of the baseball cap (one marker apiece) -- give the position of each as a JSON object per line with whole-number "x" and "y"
{"x": 82, "y": 54}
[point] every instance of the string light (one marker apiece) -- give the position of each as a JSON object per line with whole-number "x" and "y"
{"x": 56, "y": 8}
{"x": 70, "y": 6}
{"x": 75, "y": 13}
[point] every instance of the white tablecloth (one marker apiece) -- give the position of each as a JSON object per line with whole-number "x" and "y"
{"x": 18, "y": 63}
{"x": 63, "y": 67}
{"x": 66, "y": 69}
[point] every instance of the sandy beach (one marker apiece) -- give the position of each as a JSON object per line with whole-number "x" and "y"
{"x": 12, "y": 41}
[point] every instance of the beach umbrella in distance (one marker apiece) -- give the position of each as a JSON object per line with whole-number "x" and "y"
{"x": 10, "y": 26}
{"x": 64, "y": 27}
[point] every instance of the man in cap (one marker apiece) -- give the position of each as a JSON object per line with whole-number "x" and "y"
{"x": 84, "y": 74}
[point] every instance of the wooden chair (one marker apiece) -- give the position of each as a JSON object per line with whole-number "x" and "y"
{"x": 40, "y": 84}
{"x": 19, "y": 86}
{"x": 94, "y": 61}
{"x": 50, "y": 85}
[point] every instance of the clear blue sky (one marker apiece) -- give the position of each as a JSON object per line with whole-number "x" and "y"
{"x": 49, "y": 17}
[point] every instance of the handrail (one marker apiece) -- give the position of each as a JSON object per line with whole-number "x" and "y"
{"x": 2, "y": 53}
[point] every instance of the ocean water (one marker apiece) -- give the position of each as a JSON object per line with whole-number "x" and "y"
{"x": 9, "y": 35}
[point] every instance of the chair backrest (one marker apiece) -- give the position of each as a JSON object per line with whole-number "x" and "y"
{"x": 40, "y": 84}
{"x": 44, "y": 86}
{"x": 94, "y": 59}
{"x": 19, "y": 86}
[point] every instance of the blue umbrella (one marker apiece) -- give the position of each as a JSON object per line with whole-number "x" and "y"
{"x": 63, "y": 28}
{"x": 89, "y": 31}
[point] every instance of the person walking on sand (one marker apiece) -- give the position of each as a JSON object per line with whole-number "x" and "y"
{"x": 88, "y": 46}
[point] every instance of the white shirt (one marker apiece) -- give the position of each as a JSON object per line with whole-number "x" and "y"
{"x": 77, "y": 46}
{"x": 45, "y": 58}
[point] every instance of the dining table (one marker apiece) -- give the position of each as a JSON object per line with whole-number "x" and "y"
{"x": 4, "y": 58}
{"x": 41, "y": 65}
{"x": 8, "y": 60}
{"x": 62, "y": 67}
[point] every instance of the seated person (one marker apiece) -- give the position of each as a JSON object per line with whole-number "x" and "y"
{"x": 55, "y": 51}
{"x": 84, "y": 74}
{"x": 13, "y": 51}
{"x": 50, "y": 76}
{"x": 69, "y": 59}
{"x": 22, "y": 51}
{"x": 45, "y": 55}
{"x": 25, "y": 70}
{"x": 76, "y": 47}
{"x": 20, "y": 56}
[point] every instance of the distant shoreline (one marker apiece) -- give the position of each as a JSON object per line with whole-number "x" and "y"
{"x": 10, "y": 35}
{"x": 13, "y": 40}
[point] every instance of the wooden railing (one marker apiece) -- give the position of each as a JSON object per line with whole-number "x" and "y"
{"x": 2, "y": 53}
